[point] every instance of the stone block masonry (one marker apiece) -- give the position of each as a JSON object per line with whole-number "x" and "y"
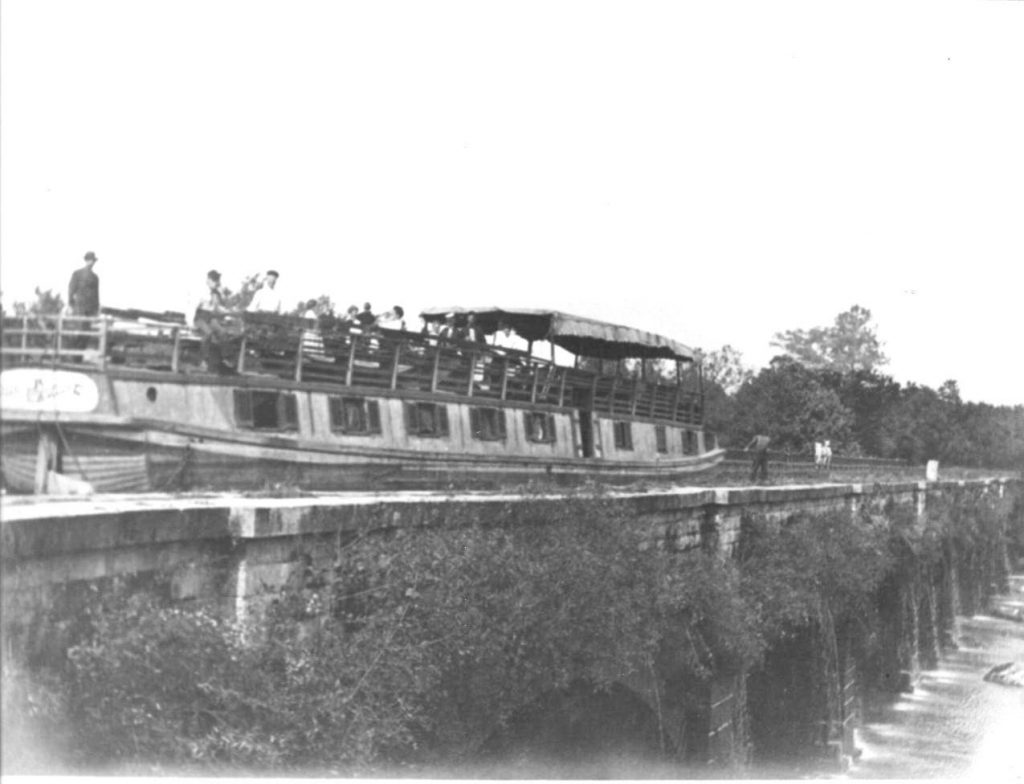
{"x": 236, "y": 553}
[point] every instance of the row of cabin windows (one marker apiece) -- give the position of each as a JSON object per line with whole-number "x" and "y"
{"x": 623, "y": 433}
{"x": 263, "y": 410}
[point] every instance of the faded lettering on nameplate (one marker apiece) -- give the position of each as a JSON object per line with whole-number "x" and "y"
{"x": 25, "y": 389}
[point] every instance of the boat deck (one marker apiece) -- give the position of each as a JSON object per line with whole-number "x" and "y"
{"x": 340, "y": 354}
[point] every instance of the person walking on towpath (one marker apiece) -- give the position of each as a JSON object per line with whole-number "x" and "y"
{"x": 759, "y": 444}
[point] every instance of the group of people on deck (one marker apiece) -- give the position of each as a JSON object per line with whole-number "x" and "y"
{"x": 468, "y": 331}
{"x": 84, "y": 300}
{"x": 267, "y": 299}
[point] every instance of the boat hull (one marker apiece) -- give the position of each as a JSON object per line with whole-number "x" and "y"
{"x": 136, "y": 457}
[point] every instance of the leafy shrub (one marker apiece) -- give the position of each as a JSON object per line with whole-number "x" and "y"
{"x": 794, "y": 572}
{"x": 413, "y": 646}
{"x": 169, "y": 685}
{"x": 405, "y": 647}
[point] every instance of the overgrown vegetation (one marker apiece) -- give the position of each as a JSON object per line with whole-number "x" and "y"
{"x": 411, "y": 647}
{"x": 793, "y": 572}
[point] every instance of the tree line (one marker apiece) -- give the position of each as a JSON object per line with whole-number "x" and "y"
{"x": 827, "y": 383}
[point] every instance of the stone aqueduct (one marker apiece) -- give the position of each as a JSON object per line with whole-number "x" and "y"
{"x": 238, "y": 552}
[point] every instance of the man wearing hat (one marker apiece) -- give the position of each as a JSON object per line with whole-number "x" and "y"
{"x": 83, "y": 300}
{"x": 84, "y": 289}
{"x": 267, "y": 298}
{"x": 447, "y": 330}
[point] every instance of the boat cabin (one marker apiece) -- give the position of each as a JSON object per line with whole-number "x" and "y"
{"x": 135, "y": 400}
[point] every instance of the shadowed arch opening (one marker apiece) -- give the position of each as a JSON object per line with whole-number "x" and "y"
{"x": 581, "y": 728}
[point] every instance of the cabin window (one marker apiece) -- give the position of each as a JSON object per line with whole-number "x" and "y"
{"x": 429, "y": 420}
{"x": 354, "y": 415}
{"x": 540, "y": 427}
{"x": 623, "y": 435}
{"x": 689, "y": 442}
{"x": 660, "y": 439}
{"x": 264, "y": 410}
{"x": 487, "y": 424}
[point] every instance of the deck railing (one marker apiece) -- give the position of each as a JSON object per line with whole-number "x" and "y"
{"x": 329, "y": 352}
{"x": 39, "y": 339}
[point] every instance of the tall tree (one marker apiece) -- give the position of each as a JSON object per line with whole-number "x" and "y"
{"x": 725, "y": 368}
{"x": 850, "y": 344}
{"x": 923, "y": 426}
{"x": 868, "y": 395}
{"x": 788, "y": 402}
{"x": 994, "y": 436}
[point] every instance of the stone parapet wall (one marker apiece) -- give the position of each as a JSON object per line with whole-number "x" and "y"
{"x": 51, "y": 541}
{"x": 229, "y": 549}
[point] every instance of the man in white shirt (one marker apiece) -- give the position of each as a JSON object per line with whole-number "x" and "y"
{"x": 392, "y": 319}
{"x": 267, "y": 298}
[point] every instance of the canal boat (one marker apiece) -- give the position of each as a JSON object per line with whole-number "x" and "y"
{"x": 135, "y": 401}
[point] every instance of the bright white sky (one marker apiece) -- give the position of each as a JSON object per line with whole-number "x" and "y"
{"x": 713, "y": 171}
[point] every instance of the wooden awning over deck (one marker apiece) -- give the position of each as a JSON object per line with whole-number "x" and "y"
{"x": 578, "y": 334}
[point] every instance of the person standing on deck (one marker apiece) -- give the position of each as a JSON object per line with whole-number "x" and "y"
{"x": 267, "y": 299}
{"x": 84, "y": 289}
{"x": 447, "y": 330}
{"x": 759, "y": 444}
{"x": 312, "y": 340}
{"x": 392, "y": 319}
{"x": 473, "y": 333}
{"x": 351, "y": 315}
{"x": 83, "y": 300}
{"x": 365, "y": 317}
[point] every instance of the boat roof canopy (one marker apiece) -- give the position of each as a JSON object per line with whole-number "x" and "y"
{"x": 577, "y": 334}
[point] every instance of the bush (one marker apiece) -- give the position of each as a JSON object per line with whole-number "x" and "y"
{"x": 795, "y": 572}
{"x": 170, "y": 686}
{"x": 414, "y": 646}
